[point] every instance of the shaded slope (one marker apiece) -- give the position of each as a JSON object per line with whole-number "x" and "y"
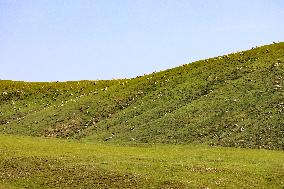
{"x": 232, "y": 100}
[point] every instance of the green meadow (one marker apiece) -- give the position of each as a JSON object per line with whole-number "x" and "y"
{"x": 214, "y": 123}
{"x": 28, "y": 162}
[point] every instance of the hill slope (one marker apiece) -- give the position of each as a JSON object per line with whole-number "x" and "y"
{"x": 231, "y": 100}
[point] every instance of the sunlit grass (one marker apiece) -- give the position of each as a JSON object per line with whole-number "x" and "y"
{"x": 234, "y": 100}
{"x": 180, "y": 166}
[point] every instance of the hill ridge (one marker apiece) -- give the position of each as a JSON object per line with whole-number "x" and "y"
{"x": 230, "y": 100}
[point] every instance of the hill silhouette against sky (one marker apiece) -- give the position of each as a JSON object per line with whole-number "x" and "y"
{"x": 231, "y": 100}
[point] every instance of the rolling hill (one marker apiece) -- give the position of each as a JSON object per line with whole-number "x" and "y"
{"x": 235, "y": 100}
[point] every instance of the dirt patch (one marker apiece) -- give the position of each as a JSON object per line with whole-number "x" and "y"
{"x": 64, "y": 129}
{"x": 52, "y": 173}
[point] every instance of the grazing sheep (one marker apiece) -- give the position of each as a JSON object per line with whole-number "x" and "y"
{"x": 108, "y": 138}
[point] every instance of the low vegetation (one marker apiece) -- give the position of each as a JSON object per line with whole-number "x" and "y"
{"x": 186, "y": 127}
{"x": 27, "y": 162}
{"x": 232, "y": 100}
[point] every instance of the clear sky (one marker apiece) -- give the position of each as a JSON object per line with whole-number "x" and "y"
{"x": 49, "y": 40}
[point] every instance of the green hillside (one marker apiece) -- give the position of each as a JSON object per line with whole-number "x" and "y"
{"x": 232, "y": 100}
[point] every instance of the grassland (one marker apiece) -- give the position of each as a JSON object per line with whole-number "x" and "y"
{"x": 231, "y": 100}
{"x": 28, "y": 162}
{"x": 214, "y": 123}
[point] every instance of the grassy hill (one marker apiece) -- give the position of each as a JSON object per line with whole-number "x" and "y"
{"x": 125, "y": 133}
{"x": 232, "y": 100}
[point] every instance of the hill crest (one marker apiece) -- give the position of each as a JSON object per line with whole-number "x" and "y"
{"x": 231, "y": 100}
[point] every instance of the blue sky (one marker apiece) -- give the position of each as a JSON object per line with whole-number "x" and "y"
{"x": 49, "y": 40}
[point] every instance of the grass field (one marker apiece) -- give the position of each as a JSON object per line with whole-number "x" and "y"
{"x": 214, "y": 123}
{"x": 27, "y": 162}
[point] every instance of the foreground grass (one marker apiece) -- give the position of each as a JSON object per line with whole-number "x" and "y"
{"x": 27, "y": 162}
